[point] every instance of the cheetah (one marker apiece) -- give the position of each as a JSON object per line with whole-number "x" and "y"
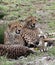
{"x": 12, "y": 34}
{"x": 33, "y": 35}
{"x": 14, "y": 51}
{"x": 31, "y": 32}
{"x": 30, "y": 22}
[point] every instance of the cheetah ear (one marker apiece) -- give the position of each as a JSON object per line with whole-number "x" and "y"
{"x": 9, "y": 25}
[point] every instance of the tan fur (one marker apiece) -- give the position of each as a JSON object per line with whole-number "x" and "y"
{"x": 32, "y": 35}
{"x": 12, "y": 35}
{"x": 30, "y": 22}
{"x": 30, "y": 32}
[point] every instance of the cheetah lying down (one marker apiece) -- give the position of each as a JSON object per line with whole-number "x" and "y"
{"x": 14, "y": 51}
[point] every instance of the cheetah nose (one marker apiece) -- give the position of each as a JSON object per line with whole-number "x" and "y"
{"x": 18, "y": 32}
{"x": 34, "y": 24}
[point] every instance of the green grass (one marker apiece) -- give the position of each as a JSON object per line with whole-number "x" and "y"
{"x": 2, "y": 29}
{"x": 1, "y": 34}
{"x": 3, "y": 11}
{"x": 5, "y": 61}
{"x": 51, "y": 7}
{"x": 51, "y": 24}
{"x": 21, "y": 12}
{"x": 51, "y": 51}
{"x": 4, "y": 8}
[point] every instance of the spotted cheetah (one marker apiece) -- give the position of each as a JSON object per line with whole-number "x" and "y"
{"x": 14, "y": 51}
{"x": 12, "y": 35}
{"x": 31, "y": 32}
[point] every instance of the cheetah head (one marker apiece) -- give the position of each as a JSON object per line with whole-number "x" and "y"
{"x": 30, "y": 22}
{"x": 15, "y": 27}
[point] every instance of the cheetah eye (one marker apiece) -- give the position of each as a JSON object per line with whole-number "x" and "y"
{"x": 15, "y": 26}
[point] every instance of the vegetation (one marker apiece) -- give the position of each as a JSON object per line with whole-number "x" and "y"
{"x": 1, "y": 34}
{"x": 51, "y": 51}
{"x": 3, "y": 11}
{"x": 32, "y": 58}
{"x": 5, "y": 61}
{"x": 44, "y": 11}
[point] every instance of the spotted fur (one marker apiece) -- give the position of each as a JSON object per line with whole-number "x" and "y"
{"x": 14, "y": 51}
{"x": 12, "y": 35}
{"x": 31, "y": 32}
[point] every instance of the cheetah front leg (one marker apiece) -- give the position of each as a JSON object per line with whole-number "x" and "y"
{"x": 42, "y": 45}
